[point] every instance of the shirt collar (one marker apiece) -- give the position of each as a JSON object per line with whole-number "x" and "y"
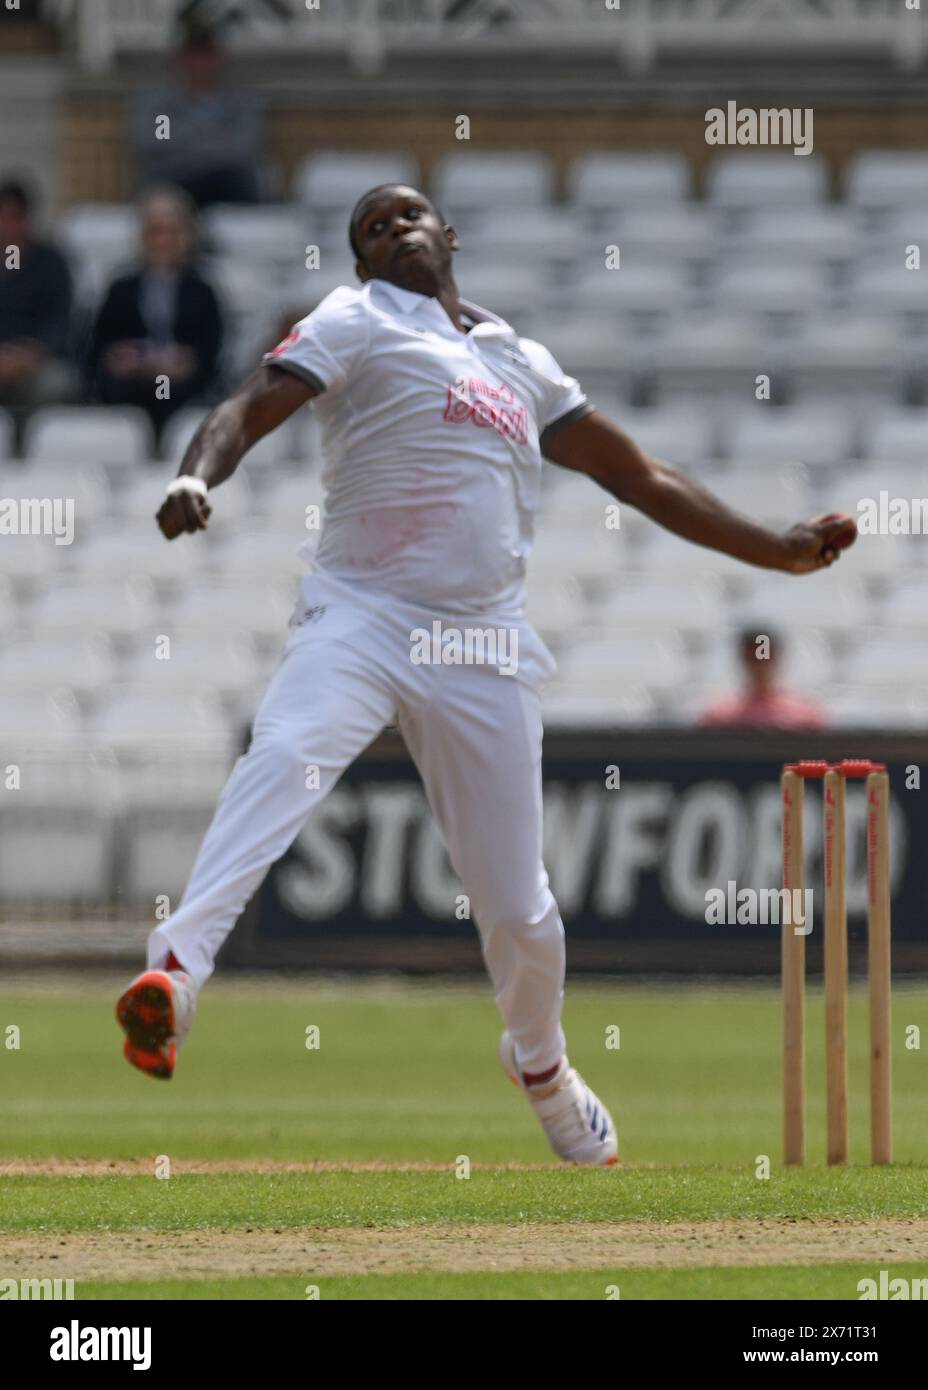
{"x": 411, "y": 302}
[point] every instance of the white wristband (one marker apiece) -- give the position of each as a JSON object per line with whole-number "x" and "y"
{"x": 187, "y": 483}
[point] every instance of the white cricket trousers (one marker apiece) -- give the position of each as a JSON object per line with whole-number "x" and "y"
{"x": 475, "y": 735}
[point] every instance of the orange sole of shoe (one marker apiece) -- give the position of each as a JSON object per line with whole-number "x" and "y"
{"x": 146, "y": 1015}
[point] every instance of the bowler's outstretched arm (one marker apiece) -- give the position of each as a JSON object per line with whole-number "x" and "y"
{"x": 594, "y": 445}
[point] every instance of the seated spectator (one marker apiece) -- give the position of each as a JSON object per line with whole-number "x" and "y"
{"x": 763, "y": 703}
{"x": 159, "y": 330}
{"x": 214, "y": 145}
{"x": 35, "y": 308}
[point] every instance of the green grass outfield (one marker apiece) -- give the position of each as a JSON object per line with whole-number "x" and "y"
{"x": 407, "y": 1074}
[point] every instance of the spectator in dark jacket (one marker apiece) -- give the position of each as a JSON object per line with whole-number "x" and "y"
{"x": 157, "y": 336}
{"x": 35, "y": 308}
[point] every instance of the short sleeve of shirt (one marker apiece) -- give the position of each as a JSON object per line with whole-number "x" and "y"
{"x": 564, "y": 398}
{"x": 327, "y": 346}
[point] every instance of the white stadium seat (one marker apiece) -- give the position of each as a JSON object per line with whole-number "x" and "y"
{"x": 84, "y": 664}
{"x": 575, "y": 550}
{"x": 765, "y": 434}
{"x": 468, "y": 181}
{"x": 888, "y": 659}
{"x": 509, "y": 291}
{"x": 29, "y": 559}
{"x": 648, "y": 234}
{"x": 565, "y": 707}
{"x": 242, "y": 287}
{"x": 39, "y": 718}
{"x": 655, "y": 603}
{"x": 86, "y": 483}
{"x": 507, "y": 235}
{"x": 906, "y": 607}
{"x": 9, "y": 611}
{"x": 596, "y": 348}
{"x": 742, "y": 180}
{"x": 56, "y": 840}
{"x": 680, "y": 433}
{"x": 890, "y": 289}
{"x": 878, "y": 708}
{"x": 770, "y": 289}
{"x": 110, "y": 605}
{"x": 130, "y": 721}
{"x": 231, "y": 607}
{"x": 554, "y": 606}
{"x": 715, "y": 355}
{"x": 195, "y": 663}
{"x": 116, "y": 434}
{"x": 268, "y": 554}
{"x": 814, "y": 235}
{"x": 100, "y": 228}
{"x": 854, "y": 358}
{"x": 101, "y": 241}
{"x": 286, "y": 502}
{"x": 881, "y": 179}
{"x": 270, "y": 236}
{"x": 657, "y": 291}
{"x": 898, "y": 433}
{"x": 606, "y": 181}
{"x": 332, "y": 181}
{"x": 142, "y": 552}
{"x": 597, "y": 665}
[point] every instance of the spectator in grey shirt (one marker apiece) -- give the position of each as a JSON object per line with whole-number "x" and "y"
{"x": 214, "y": 149}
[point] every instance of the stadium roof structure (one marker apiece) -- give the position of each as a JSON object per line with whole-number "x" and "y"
{"x": 641, "y": 35}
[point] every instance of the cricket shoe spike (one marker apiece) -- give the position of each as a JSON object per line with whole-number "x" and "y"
{"x": 578, "y": 1125}
{"x": 155, "y": 1013}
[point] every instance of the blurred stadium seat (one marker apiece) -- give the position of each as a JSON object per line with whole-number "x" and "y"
{"x": 606, "y": 181}
{"x": 93, "y": 434}
{"x": 331, "y": 181}
{"x": 746, "y": 180}
{"x": 468, "y": 182}
{"x": 881, "y": 179}
{"x": 762, "y": 434}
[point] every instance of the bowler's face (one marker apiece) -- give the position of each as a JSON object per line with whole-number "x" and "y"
{"x": 401, "y": 239}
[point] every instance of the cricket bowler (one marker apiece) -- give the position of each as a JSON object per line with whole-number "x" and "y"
{"x": 436, "y": 416}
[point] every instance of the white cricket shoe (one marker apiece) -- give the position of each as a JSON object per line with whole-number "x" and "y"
{"x": 578, "y": 1125}
{"x": 155, "y": 1013}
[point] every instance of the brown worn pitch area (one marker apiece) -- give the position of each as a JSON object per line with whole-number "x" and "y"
{"x": 314, "y": 1252}
{"x": 113, "y": 1256}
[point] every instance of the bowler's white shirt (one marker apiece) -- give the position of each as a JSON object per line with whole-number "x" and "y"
{"x": 431, "y": 444}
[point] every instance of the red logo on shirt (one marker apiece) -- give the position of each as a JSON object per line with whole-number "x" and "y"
{"x": 489, "y": 407}
{"x": 292, "y": 337}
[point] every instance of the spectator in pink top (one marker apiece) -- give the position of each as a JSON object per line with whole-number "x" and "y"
{"x": 763, "y": 703}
